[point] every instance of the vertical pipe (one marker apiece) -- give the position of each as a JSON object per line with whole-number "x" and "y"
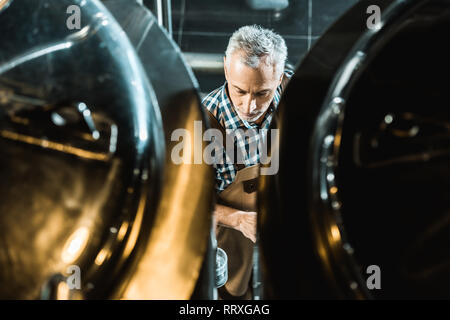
{"x": 168, "y": 16}
{"x": 164, "y": 14}
{"x": 159, "y": 12}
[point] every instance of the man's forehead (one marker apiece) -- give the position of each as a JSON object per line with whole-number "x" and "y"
{"x": 242, "y": 75}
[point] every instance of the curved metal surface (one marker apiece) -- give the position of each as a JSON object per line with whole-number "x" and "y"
{"x": 376, "y": 150}
{"x": 4, "y": 4}
{"x": 345, "y": 203}
{"x": 81, "y": 152}
{"x": 336, "y": 252}
{"x": 172, "y": 263}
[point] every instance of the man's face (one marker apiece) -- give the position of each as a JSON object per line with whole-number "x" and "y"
{"x": 251, "y": 90}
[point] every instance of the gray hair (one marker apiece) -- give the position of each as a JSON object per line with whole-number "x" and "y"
{"x": 256, "y": 43}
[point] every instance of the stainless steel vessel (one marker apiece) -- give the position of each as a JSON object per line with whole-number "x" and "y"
{"x": 363, "y": 180}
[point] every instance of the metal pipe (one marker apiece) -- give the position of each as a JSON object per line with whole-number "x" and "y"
{"x": 159, "y": 12}
{"x": 164, "y": 14}
{"x": 168, "y": 16}
{"x": 205, "y": 62}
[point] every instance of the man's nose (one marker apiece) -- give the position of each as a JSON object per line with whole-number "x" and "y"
{"x": 249, "y": 105}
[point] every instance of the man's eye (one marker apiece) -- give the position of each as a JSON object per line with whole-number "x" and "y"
{"x": 261, "y": 94}
{"x": 241, "y": 92}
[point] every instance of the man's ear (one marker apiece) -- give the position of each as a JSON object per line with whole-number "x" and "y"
{"x": 281, "y": 78}
{"x": 225, "y": 67}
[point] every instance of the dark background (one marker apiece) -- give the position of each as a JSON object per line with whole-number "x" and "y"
{"x": 204, "y": 26}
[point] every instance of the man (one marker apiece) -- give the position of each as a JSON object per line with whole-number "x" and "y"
{"x": 254, "y": 65}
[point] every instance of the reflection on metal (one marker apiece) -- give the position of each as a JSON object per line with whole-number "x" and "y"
{"x": 75, "y": 245}
{"x": 102, "y": 256}
{"x": 408, "y": 130}
{"x": 171, "y": 263}
{"x": 34, "y": 54}
{"x": 62, "y": 291}
{"x": 54, "y": 146}
{"x": 170, "y": 266}
{"x": 136, "y": 228}
{"x": 58, "y": 206}
{"x": 55, "y": 288}
{"x": 122, "y": 231}
{"x": 335, "y": 234}
{"x": 75, "y": 128}
{"x": 4, "y": 4}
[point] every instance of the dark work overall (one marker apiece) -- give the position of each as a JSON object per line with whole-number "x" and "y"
{"x": 240, "y": 195}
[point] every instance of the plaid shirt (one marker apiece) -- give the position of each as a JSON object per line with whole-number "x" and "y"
{"x": 219, "y": 104}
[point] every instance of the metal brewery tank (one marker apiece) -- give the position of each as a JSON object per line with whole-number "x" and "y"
{"x": 85, "y": 125}
{"x": 84, "y": 129}
{"x": 186, "y": 260}
{"x": 364, "y": 153}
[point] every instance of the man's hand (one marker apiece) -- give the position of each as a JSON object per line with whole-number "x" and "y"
{"x": 242, "y": 221}
{"x": 246, "y": 223}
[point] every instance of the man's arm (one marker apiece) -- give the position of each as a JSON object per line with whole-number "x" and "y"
{"x": 242, "y": 221}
